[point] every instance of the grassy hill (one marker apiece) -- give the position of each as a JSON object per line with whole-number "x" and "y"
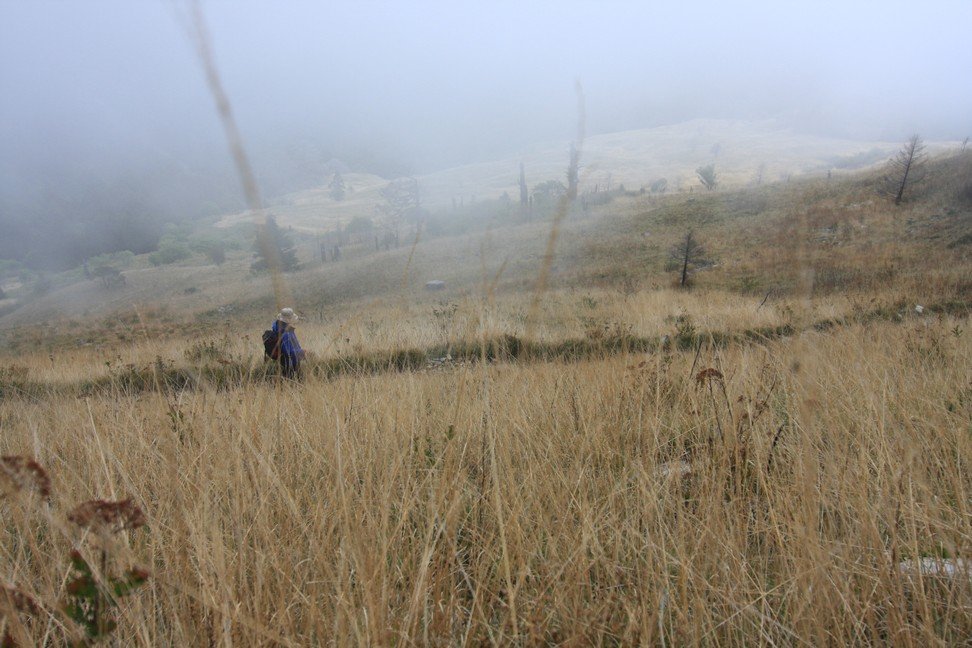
{"x": 813, "y": 238}
{"x": 743, "y": 152}
{"x": 773, "y": 455}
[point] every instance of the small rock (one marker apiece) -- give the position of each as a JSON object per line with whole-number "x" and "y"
{"x": 937, "y": 567}
{"x": 676, "y": 468}
{"x": 438, "y": 363}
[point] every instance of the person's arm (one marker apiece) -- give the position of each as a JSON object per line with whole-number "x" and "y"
{"x": 286, "y": 347}
{"x": 299, "y": 352}
{"x": 291, "y": 347}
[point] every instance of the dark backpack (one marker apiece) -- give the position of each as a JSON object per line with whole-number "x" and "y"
{"x": 271, "y": 344}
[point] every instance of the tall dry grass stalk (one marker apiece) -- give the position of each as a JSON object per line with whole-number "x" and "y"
{"x": 563, "y": 205}
{"x": 195, "y": 26}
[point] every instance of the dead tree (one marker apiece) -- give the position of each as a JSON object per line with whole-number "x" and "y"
{"x": 337, "y": 187}
{"x": 707, "y": 176}
{"x": 573, "y": 174}
{"x": 524, "y": 194}
{"x": 687, "y": 252}
{"x": 760, "y": 170}
{"x": 401, "y": 199}
{"x": 905, "y": 169}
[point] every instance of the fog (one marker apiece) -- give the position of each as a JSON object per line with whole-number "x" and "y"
{"x": 105, "y": 114}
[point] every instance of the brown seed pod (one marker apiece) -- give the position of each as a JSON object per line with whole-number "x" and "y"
{"x": 113, "y": 516}
{"x": 708, "y": 374}
{"x": 23, "y": 473}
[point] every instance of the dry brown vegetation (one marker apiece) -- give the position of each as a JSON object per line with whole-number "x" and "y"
{"x": 770, "y": 473}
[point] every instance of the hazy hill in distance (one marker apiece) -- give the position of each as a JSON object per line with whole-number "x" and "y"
{"x": 619, "y": 243}
{"x": 742, "y": 152}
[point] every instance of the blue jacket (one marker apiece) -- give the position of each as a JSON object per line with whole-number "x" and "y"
{"x": 290, "y": 351}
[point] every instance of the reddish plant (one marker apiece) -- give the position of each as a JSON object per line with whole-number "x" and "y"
{"x": 23, "y": 473}
{"x": 708, "y": 374}
{"x": 123, "y": 515}
{"x": 12, "y": 597}
{"x": 12, "y": 601}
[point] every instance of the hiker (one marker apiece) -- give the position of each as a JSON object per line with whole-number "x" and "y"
{"x": 283, "y": 345}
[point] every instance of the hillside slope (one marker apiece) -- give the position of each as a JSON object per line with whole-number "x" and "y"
{"x": 743, "y": 153}
{"x": 833, "y": 241}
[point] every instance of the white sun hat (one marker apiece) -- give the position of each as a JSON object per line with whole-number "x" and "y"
{"x": 288, "y": 316}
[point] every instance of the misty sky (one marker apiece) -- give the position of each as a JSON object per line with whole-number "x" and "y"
{"x": 103, "y": 88}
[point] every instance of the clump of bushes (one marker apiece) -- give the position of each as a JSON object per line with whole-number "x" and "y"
{"x": 216, "y": 350}
{"x": 213, "y": 250}
{"x": 121, "y": 259}
{"x": 169, "y": 251}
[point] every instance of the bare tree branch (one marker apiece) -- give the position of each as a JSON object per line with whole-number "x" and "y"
{"x": 905, "y": 169}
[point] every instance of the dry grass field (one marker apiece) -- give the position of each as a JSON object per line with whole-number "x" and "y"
{"x": 778, "y": 456}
